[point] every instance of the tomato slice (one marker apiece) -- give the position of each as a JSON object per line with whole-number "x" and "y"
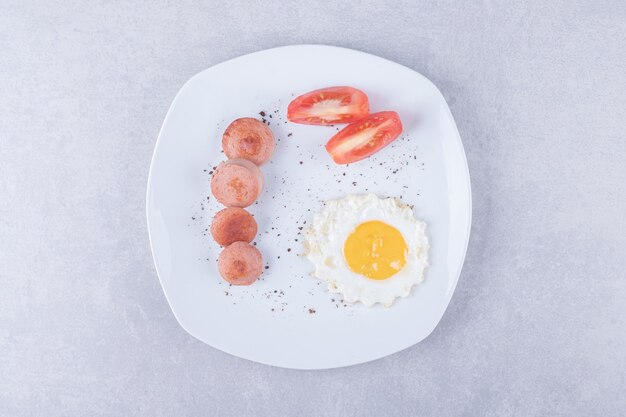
{"x": 328, "y": 106}
{"x": 365, "y": 137}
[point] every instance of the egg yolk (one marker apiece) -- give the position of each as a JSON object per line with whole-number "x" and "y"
{"x": 375, "y": 250}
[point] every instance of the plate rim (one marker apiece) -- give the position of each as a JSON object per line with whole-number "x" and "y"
{"x": 465, "y": 168}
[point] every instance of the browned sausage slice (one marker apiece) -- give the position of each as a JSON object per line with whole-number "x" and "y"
{"x": 237, "y": 183}
{"x": 250, "y": 139}
{"x": 233, "y": 224}
{"x": 240, "y": 263}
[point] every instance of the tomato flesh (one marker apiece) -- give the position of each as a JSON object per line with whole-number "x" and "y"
{"x": 361, "y": 139}
{"x": 328, "y": 106}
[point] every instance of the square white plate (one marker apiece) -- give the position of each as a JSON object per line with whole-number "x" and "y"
{"x": 288, "y": 318}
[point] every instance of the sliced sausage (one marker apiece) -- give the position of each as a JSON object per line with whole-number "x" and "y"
{"x": 250, "y": 139}
{"x": 233, "y": 224}
{"x": 237, "y": 183}
{"x": 240, "y": 263}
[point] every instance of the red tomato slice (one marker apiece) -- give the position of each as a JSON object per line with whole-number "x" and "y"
{"x": 365, "y": 137}
{"x": 328, "y": 106}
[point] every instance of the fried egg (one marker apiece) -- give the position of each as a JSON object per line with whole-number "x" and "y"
{"x": 367, "y": 249}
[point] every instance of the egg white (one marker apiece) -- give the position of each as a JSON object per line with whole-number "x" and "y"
{"x": 324, "y": 241}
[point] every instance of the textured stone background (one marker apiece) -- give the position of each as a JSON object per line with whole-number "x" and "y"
{"x": 538, "y": 322}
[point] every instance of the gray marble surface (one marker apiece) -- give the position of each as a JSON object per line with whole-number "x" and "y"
{"x": 538, "y": 322}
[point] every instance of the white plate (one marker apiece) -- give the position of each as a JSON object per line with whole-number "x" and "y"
{"x": 288, "y": 318}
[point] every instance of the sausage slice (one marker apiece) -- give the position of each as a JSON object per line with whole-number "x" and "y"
{"x": 233, "y": 224}
{"x": 240, "y": 263}
{"x": 237, "y": 183}
{"x": 249, "y": 139}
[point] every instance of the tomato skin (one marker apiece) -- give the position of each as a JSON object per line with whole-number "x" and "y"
{"x": 329, "y": 106}
{"x": 365, "y": 137}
